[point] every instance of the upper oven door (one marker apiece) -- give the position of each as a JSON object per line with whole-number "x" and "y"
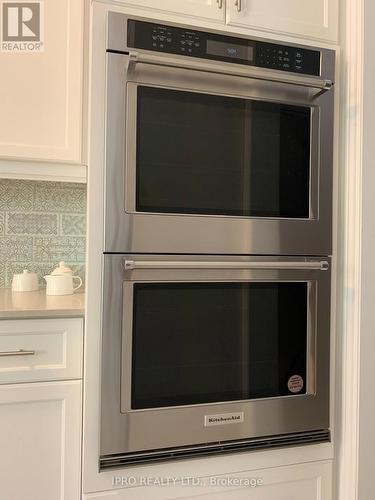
{"x": 200, "y": 161}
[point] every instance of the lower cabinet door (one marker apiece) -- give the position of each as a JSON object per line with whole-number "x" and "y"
{"x": 309, "y": 481}
{"x": 40, "y": 441}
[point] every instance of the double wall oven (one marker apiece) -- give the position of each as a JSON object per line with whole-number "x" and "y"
{"x": 216, "y": 265}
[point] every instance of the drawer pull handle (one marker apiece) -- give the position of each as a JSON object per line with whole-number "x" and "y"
{"x": 20, "y": 352}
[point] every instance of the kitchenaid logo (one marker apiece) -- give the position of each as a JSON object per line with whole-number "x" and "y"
{"x": 22, "y": 26}
{"x": 223, "y": 418}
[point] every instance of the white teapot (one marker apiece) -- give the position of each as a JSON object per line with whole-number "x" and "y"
{"x": 61, "y": 281}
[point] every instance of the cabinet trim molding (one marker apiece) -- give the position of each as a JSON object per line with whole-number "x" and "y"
{"x": 350, "y": 254}
{"x": 42, "y": 171}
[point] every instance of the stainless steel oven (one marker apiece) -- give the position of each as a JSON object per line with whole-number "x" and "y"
{"x": 204, "y": 354}
{"x": 216, "y": 144}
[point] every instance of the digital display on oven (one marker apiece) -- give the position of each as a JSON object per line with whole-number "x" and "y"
{"x": 235, "y": 51}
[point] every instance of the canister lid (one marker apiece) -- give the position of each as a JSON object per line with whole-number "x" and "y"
{"x": 62, "y": 269}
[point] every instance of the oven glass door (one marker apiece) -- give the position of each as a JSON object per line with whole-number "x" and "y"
{"x": 190, "y": 337}
{"x": 195, "y": 343}
{"x": 210, "y": 154}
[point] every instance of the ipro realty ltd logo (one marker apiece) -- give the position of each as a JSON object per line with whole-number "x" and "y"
{"x": 22, "y": 26}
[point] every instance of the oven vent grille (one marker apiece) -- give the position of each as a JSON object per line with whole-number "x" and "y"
{"x": 302, "y": 438}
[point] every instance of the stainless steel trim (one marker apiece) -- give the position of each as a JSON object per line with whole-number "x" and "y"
{"x": 127, "y": 339}
{"x": 131, "y": 149}
{"x": 171, "y": 62}
{"x": 129, "y": 265}
{"x": 312, "y": 338}
{"x": 19, "y": 352}
{"x": 219, "y": 3}
{"x": 314, "y": 162}
{"x": 238, "y": 4}
{"x": 266, "y": 442}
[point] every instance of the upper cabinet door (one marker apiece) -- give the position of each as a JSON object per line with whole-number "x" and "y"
{"x": 41, "y": 89}
{"x": 211, "y": 9}
{"x": 317, "y": 19}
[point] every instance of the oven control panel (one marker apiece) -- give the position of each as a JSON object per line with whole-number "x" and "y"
{"x": 194, "y": 43}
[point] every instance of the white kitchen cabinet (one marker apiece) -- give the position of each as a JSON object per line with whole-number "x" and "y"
{"x": 309, "y": 19}
{"x": 54, "y": 350}
{"x": 41, "y": 92}
{"x": 211, "y": 9}
{"x": 40, "y": 441}
{"x": 302, "y": 18}
{"x": 310, "y": 481}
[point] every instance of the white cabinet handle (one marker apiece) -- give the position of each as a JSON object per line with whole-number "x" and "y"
{"x": 20, "y": 352}
{"x": 219, "y": 3}
{"x": 238, "y": 4}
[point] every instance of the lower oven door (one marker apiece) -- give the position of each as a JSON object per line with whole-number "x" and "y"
{"x": 200, "y": 351}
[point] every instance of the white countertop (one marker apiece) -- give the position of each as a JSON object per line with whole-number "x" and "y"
{"x": 39, "y": 305}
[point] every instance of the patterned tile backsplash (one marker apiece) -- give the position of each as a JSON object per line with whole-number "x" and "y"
{"x": 41, "y": 223}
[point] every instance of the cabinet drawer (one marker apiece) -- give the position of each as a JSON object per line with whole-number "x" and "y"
{"x": 53, "y": 350}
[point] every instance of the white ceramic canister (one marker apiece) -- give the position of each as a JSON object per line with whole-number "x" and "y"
{"x": 25, "y": 282}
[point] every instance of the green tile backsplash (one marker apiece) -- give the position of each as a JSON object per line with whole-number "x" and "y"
{"x": 41, "y": 223}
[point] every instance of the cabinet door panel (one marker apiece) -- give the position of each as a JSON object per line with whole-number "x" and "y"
{"x": 40, "y": 433}
{"x": 41, "y": 92}
{"x": 303, "y": 18}
{"x": 211, "y": 9}
{"x": 296, "y": 482}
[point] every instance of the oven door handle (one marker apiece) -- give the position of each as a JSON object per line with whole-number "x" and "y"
{"x": 256, "y": 73}
{"x": 130, "y": 265}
